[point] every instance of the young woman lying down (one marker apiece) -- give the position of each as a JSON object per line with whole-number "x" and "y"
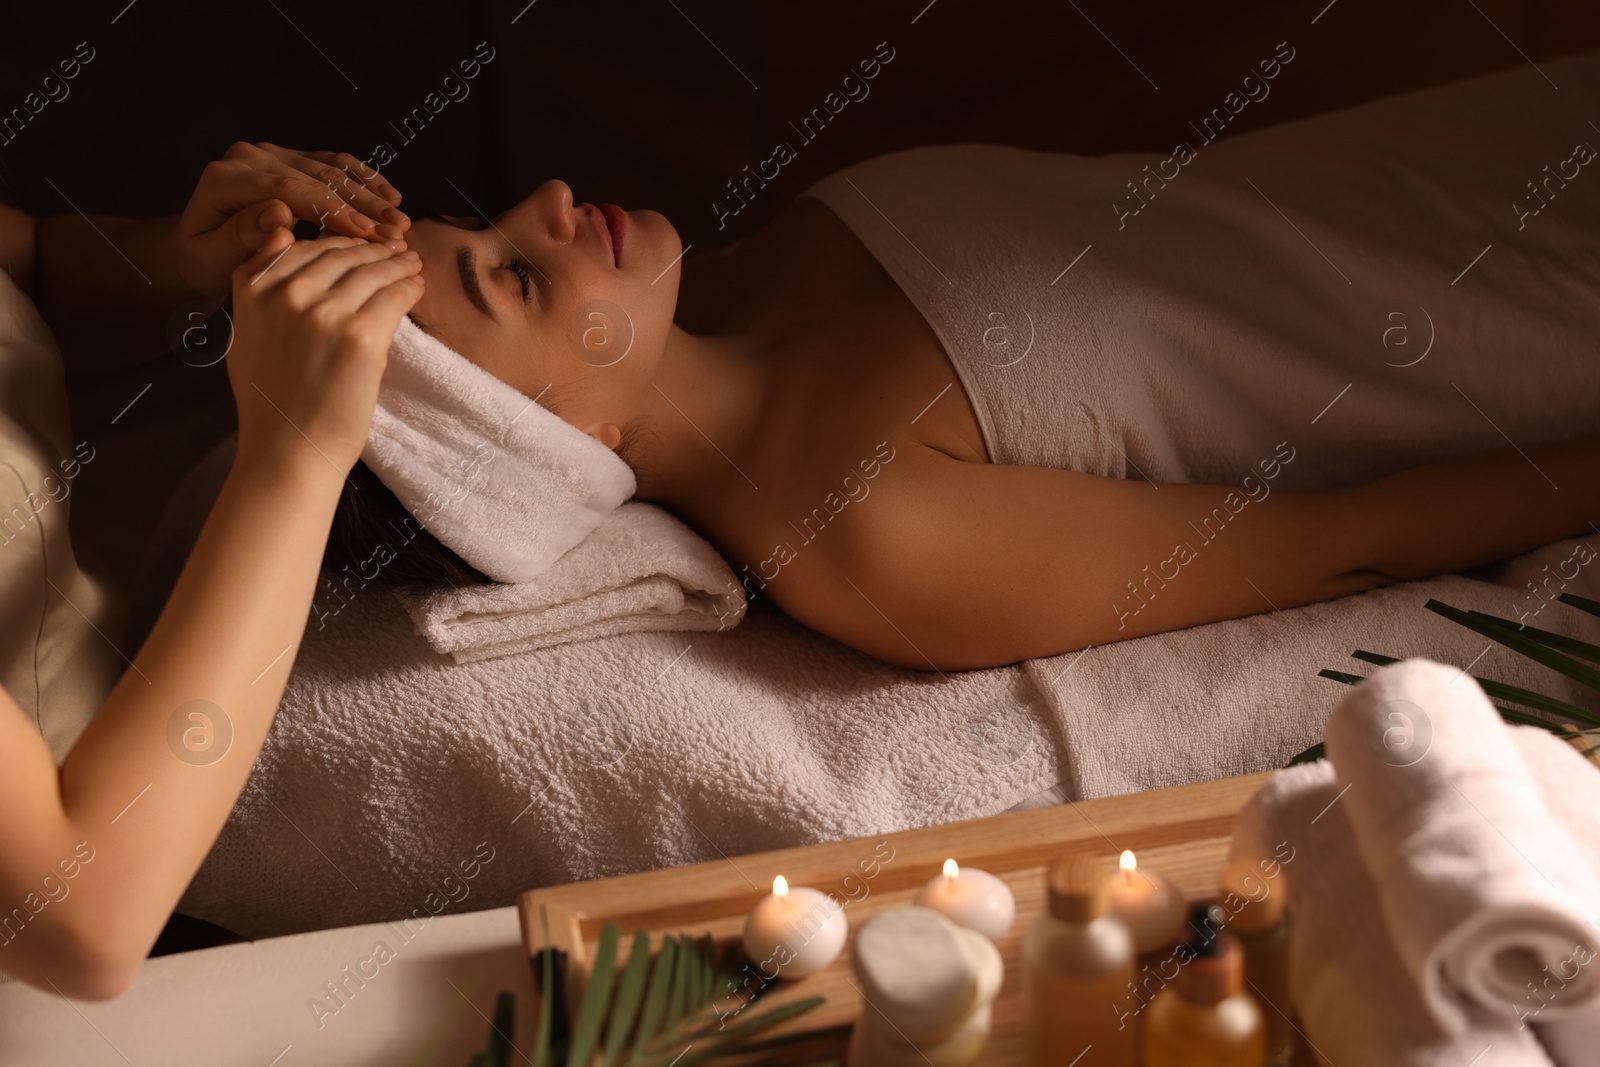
{"x": 966, "y": 405}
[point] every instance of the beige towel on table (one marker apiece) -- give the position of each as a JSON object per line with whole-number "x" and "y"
{"x": 641, "y": 569}
{"x": 1243, "y": 695}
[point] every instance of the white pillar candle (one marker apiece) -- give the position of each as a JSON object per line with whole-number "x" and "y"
{"x": 794, "y": 932}
{"x": 1149, "y": 906}
{"x": 971, "y": 898}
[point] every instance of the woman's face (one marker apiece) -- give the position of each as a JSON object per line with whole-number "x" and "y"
{"x": 540, "y": 298}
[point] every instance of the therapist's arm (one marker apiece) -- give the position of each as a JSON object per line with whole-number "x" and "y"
{"x": 16, "y": 246}
{"x": 95, "y": 855}
{"x": 111, "y": 288}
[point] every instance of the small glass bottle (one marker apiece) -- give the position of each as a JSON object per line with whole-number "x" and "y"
{"x": 1260, "y": 920}
{"x": 1205, "y": 1018}
{"x": 1077, "y": 962}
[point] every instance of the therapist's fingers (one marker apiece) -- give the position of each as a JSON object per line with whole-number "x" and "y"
{"x": 367, "y": 175}
{"x": 360, "y": 283}
{"x": 317, "y": 275}
{"x": 227, "y": 186}
{"x": 279, "y": 260}
{"x": 344, "y": 179}
{"x": 385, "y": 308}
{"x": 259, "y": 223}
{"x": 343, "y": 174}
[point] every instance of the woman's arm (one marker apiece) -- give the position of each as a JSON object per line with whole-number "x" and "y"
{"x": 109, "y": 288}
{"x": 954, "y": 565}
{"x": 136, "y": 805}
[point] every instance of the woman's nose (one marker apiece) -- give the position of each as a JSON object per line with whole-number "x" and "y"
{"x": 547, "y": 210}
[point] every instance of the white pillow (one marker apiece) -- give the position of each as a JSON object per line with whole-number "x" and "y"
{"x": 53, "y": 660}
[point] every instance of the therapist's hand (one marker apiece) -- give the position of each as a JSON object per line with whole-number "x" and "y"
{"x": 312, "y": 327}
{"x": 244, "y": 200}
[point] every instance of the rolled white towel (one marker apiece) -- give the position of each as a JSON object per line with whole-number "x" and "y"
{"x": 641, "y": 569}
{"x": 1571, "y": 788}
{"x": 1356, "y": 1004}
{"x": 1483, "y": 891}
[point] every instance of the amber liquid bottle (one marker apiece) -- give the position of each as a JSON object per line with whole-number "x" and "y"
{"x": 1262, "y": 926}
{"x": 1077, "y": 961}
{"x": 1205, "y": 1018}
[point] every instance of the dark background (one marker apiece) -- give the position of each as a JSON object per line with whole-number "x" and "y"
{"x": 653, "y": 103}
{"x": 630, "y": 102}
{"x": 650, "y": 103}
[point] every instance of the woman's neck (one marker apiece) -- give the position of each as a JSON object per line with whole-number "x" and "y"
{"x": 703, "y": 417}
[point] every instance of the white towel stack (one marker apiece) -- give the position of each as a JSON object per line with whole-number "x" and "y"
{"x": 641, "y": 569}
{"x": 1445, "y": 880}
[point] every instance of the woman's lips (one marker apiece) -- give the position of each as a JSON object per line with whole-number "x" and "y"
{"x": 602, "y": 228}
{"x": 616, "y": 221}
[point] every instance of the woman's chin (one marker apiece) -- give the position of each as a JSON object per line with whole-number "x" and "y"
{"x": 651, "y": 242}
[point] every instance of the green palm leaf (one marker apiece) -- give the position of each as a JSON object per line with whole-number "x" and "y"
{"x": 1557, "y": 651}
{"x": 630, "y": 994}
{"x": 1560, "y": 642}
{"x": 505, "y": 1021}
{"x": 654, "y": 1013}
{"x": 1506, "y": 633}
{"x": 596, "y": 996}
{"x": 1582, "y": 603}
{"x": 655, "y": 1000}
{"x": 1514, "y": 693}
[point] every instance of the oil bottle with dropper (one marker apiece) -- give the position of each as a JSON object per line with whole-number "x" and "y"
{"x": 1205, "y": 1017}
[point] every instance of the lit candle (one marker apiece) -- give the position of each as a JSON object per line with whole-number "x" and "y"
{"x": 971, "y": 898}
{"x": 794, "y": 932}
{"x": 1150, "y": 906}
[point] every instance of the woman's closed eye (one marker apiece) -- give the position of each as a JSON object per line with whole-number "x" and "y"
{"x": 520, "y": 269}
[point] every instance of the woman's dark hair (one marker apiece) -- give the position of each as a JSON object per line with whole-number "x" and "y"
{"x": 376, "y": 540}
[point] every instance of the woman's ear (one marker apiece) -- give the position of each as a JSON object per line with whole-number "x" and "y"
{"x": 605, "y": 432}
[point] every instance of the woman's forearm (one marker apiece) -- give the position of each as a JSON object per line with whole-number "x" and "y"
{"x": 150, "y": 782}
{"x": 109, "y": 287}
{"x": 1476, "y": 509}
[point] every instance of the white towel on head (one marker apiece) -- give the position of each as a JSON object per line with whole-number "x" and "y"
{"x": 1482, "y": 889}
{"x": 506, "y": 484}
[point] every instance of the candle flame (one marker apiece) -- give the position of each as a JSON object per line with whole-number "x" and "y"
{"x": 780, "y": 886}
{"x": 1128, "y": 863}
{"x": 950, "y": 869}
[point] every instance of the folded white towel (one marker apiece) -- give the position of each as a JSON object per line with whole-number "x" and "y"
{"x": 1356, "y": 1002}
{"x": 641, "y": 569}
{"x": 505, "y": 483}
{"x": 1482, "y": 889}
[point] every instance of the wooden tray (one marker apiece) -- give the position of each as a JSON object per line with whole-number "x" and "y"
{"x": 1182, "y": 832}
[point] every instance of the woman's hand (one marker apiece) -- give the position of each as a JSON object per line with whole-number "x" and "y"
{"x": 312, "y": 325}
{"x": 254, "y": 190}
